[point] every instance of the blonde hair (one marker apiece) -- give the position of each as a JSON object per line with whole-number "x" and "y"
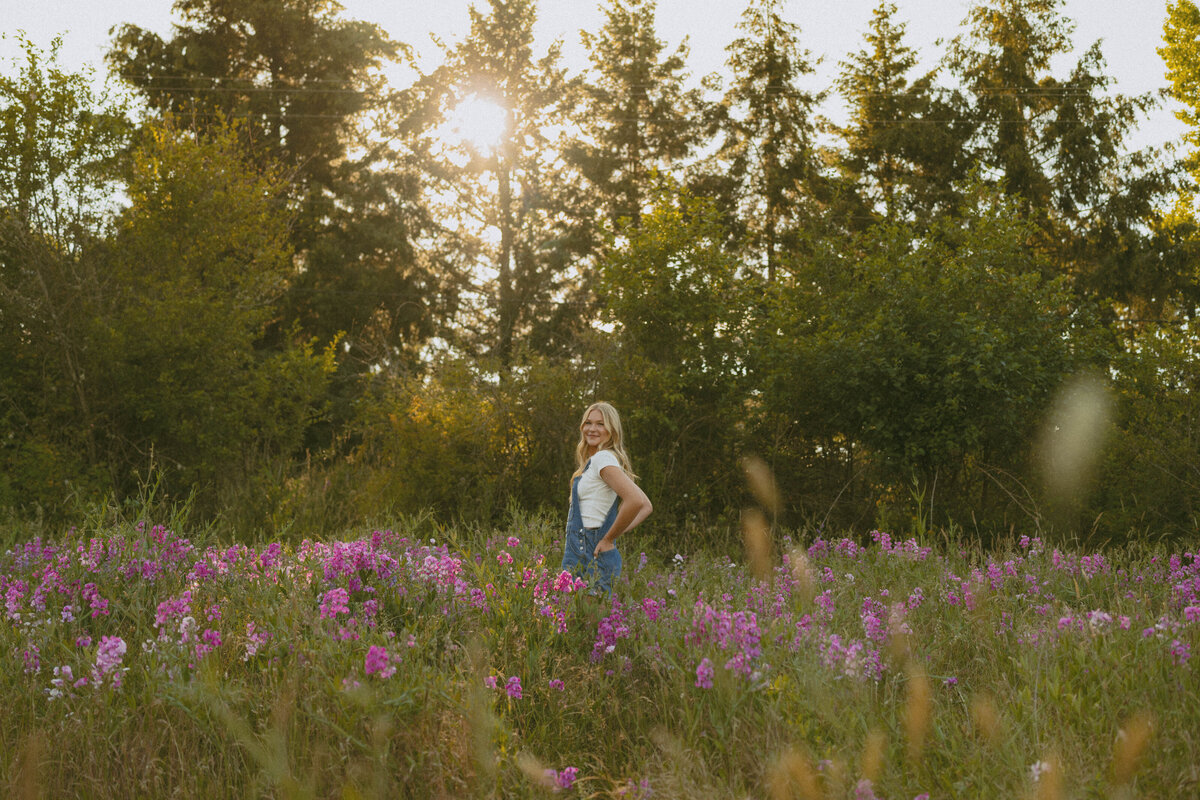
{"x": 615, "y": 443}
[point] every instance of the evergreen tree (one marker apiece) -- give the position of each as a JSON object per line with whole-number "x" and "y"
{"x": 291, "y": 72}
{"x": 522, "y": 191}
{"x": 1057, "y": 144}
{"x": 768, "y": 134}
{"x": 301, "y": 81}
{"x": 638, "y": 117}
{"x": 904, "y": 144}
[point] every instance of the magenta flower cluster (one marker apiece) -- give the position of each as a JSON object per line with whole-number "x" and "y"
{"x": 820, "y": 609}
{"x": 564, "y": 779}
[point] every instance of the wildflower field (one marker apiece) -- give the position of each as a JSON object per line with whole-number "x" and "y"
{"x": 429, "y": 661}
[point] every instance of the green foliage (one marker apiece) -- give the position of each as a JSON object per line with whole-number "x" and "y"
{"x": 60, "y": 145}
{"x": 921, "y": 355}
{"x": 1150, "y": 485}
{"x": 1057, "y": 144}
{"x": 304, "y": 86}
{"x": 904, "y": 146}
{"x": 292, "y": 71}
{"x": 1181, "y": 53}
{"x": 131, "y": 338}
{"x": 318, "y": 305}
{"x": 767, "y": 132}
{"x": 520, "y": 203}
{"x": 673, "y": 364}
{"x": 638, "y": 118}
{"x": 197, "y": 260}
{"x": 463, "y": 444}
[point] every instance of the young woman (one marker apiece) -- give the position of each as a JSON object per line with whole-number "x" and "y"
{"x": 605, "y": 501}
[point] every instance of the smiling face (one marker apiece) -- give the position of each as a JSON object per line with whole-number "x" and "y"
{"x": 595, "y": 433}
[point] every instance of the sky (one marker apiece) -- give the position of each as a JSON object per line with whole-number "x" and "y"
{"x": 1130, "y": 32}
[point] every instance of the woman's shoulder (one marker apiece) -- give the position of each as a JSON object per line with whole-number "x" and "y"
{"x": 605, "y": 458}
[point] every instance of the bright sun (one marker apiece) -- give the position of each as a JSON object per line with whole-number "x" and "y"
{"x": 480, "y": 121}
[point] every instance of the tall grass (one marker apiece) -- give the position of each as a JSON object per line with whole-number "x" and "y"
{"x": 145, "y": 660}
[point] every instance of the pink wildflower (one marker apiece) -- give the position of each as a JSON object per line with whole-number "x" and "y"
{"x": 566, "y": 778}
{"x": 108, "y": 660}
{"x": 704, "y": 674}
{"x": 513, "y": 687}
{"x": 378, "y": 662}
{"x": 334, "y": 602}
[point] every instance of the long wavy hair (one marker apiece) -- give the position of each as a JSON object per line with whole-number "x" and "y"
{"x": 615, "y": 443}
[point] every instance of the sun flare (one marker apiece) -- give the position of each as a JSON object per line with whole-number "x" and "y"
{"x": 480, "y": 121}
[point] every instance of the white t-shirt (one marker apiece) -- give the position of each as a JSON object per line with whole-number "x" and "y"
{"x": 595, "y": 496}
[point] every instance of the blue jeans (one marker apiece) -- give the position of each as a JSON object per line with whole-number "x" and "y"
{"x": 599, "y": 571}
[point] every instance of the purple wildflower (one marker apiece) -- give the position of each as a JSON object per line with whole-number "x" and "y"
{"x": 704, "y": 674}
{"x": 334, "y": 602}
{"x": 566, "y": 778}
{"x": 378, "y": 662}
{"x": 108, "y": 660}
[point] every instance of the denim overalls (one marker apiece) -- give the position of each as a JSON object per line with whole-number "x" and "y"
{"x": 600, "y": 570}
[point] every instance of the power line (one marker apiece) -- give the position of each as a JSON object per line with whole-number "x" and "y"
{"x": 1053, "y": 91}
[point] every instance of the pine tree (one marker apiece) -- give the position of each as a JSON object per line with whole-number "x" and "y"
{"x": 638, "y": 117}
{"x": 522, "y": 191}
{"x": 768, "y": 134}
{"x": 904, "y": 145}
{"x": 1058, "y": 144}
{"x": 301, "y": 82}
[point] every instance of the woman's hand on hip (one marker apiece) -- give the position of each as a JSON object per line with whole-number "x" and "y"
{"x": 603, "y": 546}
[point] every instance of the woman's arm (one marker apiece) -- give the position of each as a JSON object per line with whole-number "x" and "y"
{"x": 635, "y": 507}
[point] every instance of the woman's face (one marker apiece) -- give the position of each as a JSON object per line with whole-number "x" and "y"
{"x": 595, "y": 433}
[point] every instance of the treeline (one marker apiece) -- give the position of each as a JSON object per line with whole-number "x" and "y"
{"x": 271, "y": 281}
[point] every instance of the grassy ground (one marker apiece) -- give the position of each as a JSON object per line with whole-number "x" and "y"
{"x": 449, "y": 662}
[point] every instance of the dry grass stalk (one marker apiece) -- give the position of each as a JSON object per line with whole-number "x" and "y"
{"x": 873, "y": 755}
{"x": 28, "y": 772}
{"x": 802, "y": 571}
{"x": 917, "y": 710}
{"x": 1048, "y": 779}
{"x": 762, "y": 483}
{"x": 1131, "y": 743}
{"x": 534, "y": 770}
{"x": 757, "y": 535}
{"x": 482, "y": 722}
{"x": 986, "y": 718}
{"x": 898, "y": 636}
{"x": 794, "y": 776}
